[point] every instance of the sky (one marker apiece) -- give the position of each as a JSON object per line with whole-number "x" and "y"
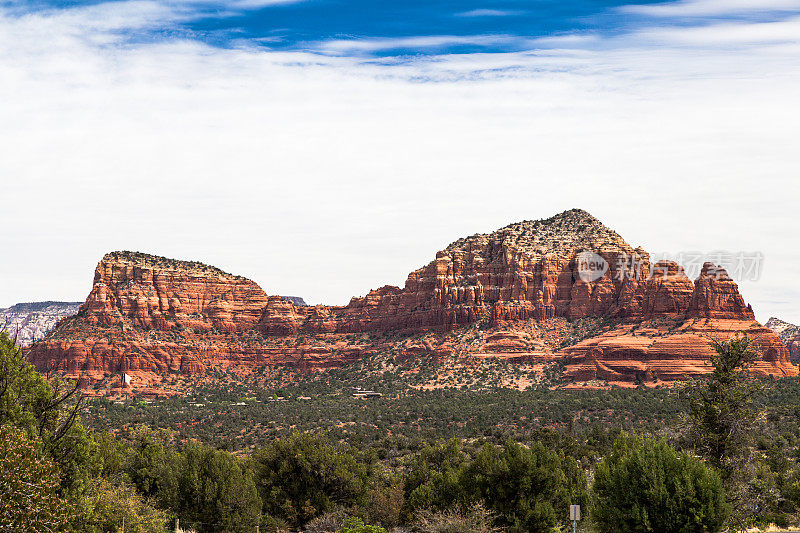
{"x": 327, "y": 147}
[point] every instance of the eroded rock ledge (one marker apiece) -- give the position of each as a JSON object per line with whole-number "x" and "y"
{"x": 149, "y": 313}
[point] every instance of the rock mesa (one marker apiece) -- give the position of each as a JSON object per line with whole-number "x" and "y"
{"x": 150, "y": 313}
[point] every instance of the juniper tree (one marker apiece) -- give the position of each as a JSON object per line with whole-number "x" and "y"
{"x": 720, "y": 405}
{"x": 722, "y": 417}
{"x": 646, "y": 486}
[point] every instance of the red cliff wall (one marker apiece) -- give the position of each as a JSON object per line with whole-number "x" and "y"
{"x": 155, "y": 314}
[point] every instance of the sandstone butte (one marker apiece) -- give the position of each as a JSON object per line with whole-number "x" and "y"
{"x": 793, "y": 345}
{"x": 152, "y": 314}
{"x": 789, "y": 334}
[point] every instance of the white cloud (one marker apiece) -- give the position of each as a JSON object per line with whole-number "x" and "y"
{"x": 691, "y": 8}
{"x": 236, "y": 4}
{"x": 326, "y": 176}
{"x": 566, "y": 40}
{"x": 249, "y": 4}
{"x": 723, "y": 34}
{"x": 419, "y": 42}
{"x": 90, "y": 22}
{"x": 487, "y": 13}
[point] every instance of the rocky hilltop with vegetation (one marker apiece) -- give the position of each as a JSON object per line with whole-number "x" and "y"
{"x": 158, "y": 263}
{"x": 789, "y": 334}
{"x": 564, "y": 234}
{"x": 515, "y": 295}
{"x": 29, "y": 322}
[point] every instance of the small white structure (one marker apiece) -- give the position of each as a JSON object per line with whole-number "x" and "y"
{"x": 361, "y": 393}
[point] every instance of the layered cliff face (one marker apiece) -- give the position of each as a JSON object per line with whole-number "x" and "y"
{"x": 529, "y": 270}
{"x": 789, "y": 334}
{"x": 149, "y": 313}
{"x": 29, "y": 322}
{"x": 140, "y": 290}
{"x": 525, "y": 270}
{"x": 669, "y": 352}
{"x": 154, "y": 314}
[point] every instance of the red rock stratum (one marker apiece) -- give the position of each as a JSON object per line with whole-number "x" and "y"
{"x": 148, "y": 313}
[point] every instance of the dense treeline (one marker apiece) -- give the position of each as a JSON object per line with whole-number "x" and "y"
{"x": 723, "y": 464}
{"x": 241, "y": 421}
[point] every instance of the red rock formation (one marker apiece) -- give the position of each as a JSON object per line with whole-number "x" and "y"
{"x": 717, "y": 296}
{"x": 146, "y": 313}
{"x": 670, "y": 353}
{"x": 793, "y": 345}
{"x": 280, "y": 317}
{"x": 789, "y": 335}
{"x": 668, "y": 292}
{"x": 145, "y": 291}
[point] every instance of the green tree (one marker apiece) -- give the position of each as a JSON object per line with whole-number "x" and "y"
{"x": 530, "y": 489}
{"x": 147, "y": 460}
{"x": 720, "y": 405}
{"x": 305, "y": 475}
{"x": 646, "y": 486}
{"x": 29, "y": 486}
{"x": 722, "y": 419}
{"x": 433, "y": 479}
{"x": 118, "y": 507}
{"x": 212, "y": 490}
{"x": 47, "y": 412}
{"x": 111, "y": 453}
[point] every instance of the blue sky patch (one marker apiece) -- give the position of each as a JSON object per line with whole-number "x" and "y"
{"x": 414, "y": 27}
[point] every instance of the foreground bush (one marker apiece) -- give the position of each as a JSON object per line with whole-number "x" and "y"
{"x": 530, "y": 489}
{"x": 527, "y": 488}
{"x": 28, "y": 487}
{"x": 327, "y": 523}
{"x": 119, "y": 507}
{"x": 475, "y": 520}
{"x": 356, "y": 525}
{"x": 646, "y": 485}
{"x": 304, "y": 476}
{"x": 212, "y": 491}
{"x": 433, "y": 480}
